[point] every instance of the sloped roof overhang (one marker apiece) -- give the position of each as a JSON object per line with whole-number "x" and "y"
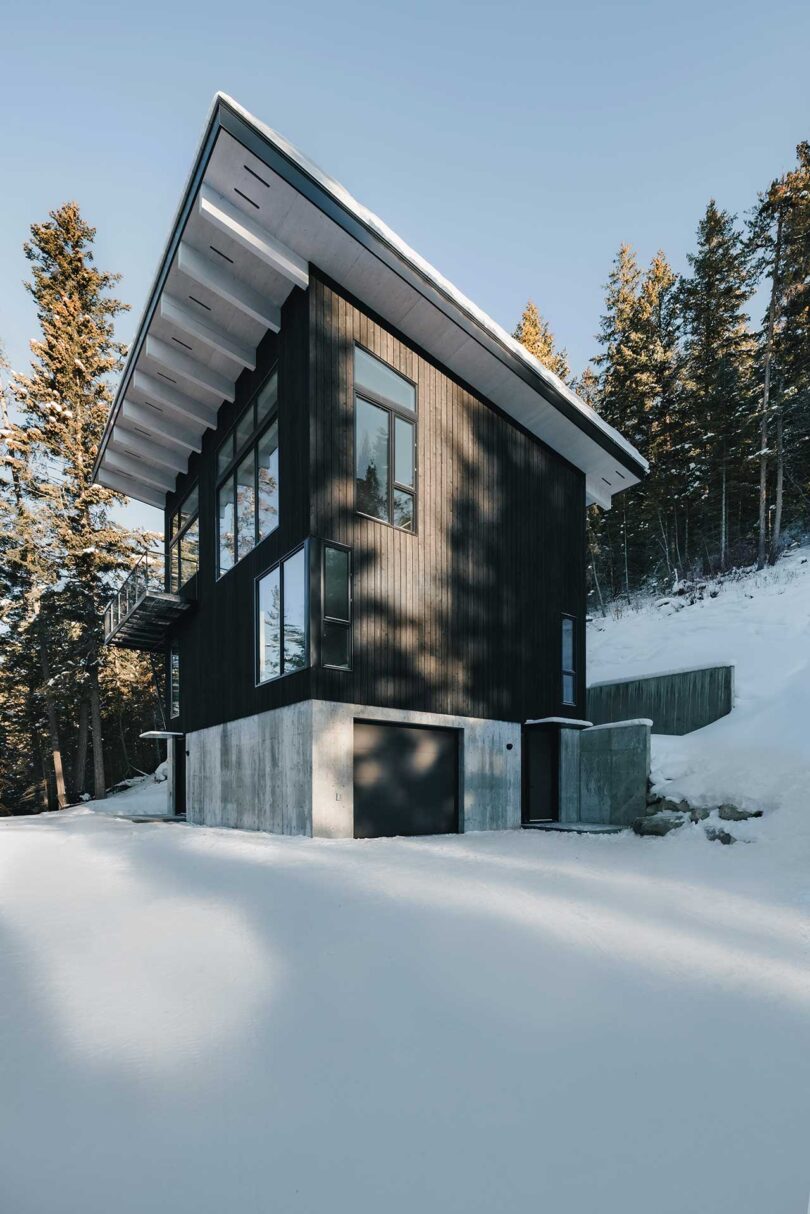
{"x": 254, "y": 215}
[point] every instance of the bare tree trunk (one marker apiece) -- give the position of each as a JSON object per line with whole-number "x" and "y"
{"x": 42, "y": 784}
{"x": 624, "y": 537}
{"x": 99, "y": 783}
{"x": 80, "y": 763}
{"x": 723, "y": 531}
{"x": 53, "y": 726}
{"x": 678, "y": 557}
{"x": 158, "y": 696}
{"x": 596, "y": 576}
{"x": 665, "y": 542}
{"x": 776, "y": 534}
{"x": 766, "y": 394}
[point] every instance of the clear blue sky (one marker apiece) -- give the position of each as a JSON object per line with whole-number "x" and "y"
{"x": 513, "y": 145}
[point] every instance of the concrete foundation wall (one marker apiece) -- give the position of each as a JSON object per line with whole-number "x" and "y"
{"x": 613, "y": 771}
{"x": 255, "y": 773}
{"x": 490, "y": 774}
{"x": 676, "y": 703}
{"x": 291, "y": 770}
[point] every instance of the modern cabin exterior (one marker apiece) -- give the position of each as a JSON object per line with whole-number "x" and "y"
{"x": 374, "y": 567}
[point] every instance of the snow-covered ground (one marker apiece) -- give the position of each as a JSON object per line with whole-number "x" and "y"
{"x": 147, "y": 797}
{"x": 759, "y": 755}
{"x": 196, "y": 1021}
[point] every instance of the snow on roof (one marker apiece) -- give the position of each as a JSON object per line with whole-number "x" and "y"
{"x": 461, "y": 301}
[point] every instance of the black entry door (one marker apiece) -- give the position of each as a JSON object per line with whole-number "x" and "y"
{"x": 405, "y": 780}
{"x": 179, "y": 775}
{"x": 541, "y": 780}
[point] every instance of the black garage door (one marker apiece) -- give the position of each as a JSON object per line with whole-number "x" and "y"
{"x": 405, "y": 780}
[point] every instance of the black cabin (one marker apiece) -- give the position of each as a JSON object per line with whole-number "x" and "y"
{"x": 374, "y": 567}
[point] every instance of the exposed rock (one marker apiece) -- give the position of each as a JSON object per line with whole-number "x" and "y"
{"x": 698, "y": 815}
{"x": 732, "y": 813}
{"x": 658, "y": 824}
{"x": 717, "y": 835}
{"x": 668, "y": 806}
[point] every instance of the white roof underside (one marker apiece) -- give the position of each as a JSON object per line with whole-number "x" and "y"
{"x": 248, "y": 238}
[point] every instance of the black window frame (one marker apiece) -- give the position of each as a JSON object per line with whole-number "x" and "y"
{"x": 249, "y": 444}
{"x": 176, "y": 538}
{"x": 394, "y": 410}
{"x": 174, "y": 683}
{"x": 332, "y": 619}
{"x": 283, "y": 674}
{"x": 566, "y": 671}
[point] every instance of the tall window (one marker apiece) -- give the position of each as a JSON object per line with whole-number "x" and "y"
{"x": 174, "y": 683}
{"x": 282, "y": 618}
{"x": 247, "y": 479}
{"x": 569, "y": 672}
{"x": 384, "y": 442}
{"x": 336, "y": 623}
{"x": 184, "y": 541}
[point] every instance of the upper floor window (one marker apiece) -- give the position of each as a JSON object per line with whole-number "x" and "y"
{"x": 384, "y": 442}
{"x": 569, "y": 672}
{"x": 336, "y": 622}
{"x": 247, "y": 479}
{"x": 282, "y": 618}
{"x": 184, "y": 541}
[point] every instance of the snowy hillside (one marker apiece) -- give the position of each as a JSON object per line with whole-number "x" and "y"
{"x": 196, "y": 1021}
{"x": 758, "y": 756}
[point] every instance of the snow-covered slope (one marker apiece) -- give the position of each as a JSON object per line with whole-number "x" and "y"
{"x": 195, "y": 1021}
{"x": 146, "y": 797}
{"x": 759, "y": 755}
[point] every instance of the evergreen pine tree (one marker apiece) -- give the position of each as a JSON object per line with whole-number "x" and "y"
{"x": 535, "y": 334}
{"x": 718, "y": 361}
{"x": 29, "y": 572}
{"x": 64, "y": 403}
{"x": 780, "y": 236}
{"x": 621, "y": 341}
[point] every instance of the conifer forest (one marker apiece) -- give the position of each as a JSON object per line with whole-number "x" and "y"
{"x": 716, "y": 398}
{"x": 706, "y": 372}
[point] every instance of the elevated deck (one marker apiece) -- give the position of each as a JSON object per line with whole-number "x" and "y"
{"x": 141, "y": 613}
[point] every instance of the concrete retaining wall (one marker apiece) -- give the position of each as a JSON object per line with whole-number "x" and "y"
{"x": 613, "y": 772}
{"x": 677, "y": 702}
{"x": 291, "y": 770}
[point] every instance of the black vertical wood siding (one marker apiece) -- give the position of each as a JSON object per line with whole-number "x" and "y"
{"x": 465, "y": 615}
{"x": 462, "y": 617}
{"x": 216, "y": 641}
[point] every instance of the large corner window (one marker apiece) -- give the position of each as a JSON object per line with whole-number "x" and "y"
{"x": 569, "y": 670}
{"x": 384, "y": 442}
{"x": 184, "y": 541}
{"x": 174, "y": 683}
{"x": 336, "y": 621}
{"x": 282, "y": 618}
{"x": 247, "y": 479}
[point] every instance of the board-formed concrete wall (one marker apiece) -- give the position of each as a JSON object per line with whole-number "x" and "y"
{"x": 614, "y": 768}
{"x": 291, "y": 770}
{"x": 254, "y": 773}
{"x": 676, "y": 703}
{"x": 490, "y": 773}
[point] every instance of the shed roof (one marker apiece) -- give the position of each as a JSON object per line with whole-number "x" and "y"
{"x": 255, "y": 214}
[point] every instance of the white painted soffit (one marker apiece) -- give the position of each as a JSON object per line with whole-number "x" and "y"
{"x": 255, "y": 214}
